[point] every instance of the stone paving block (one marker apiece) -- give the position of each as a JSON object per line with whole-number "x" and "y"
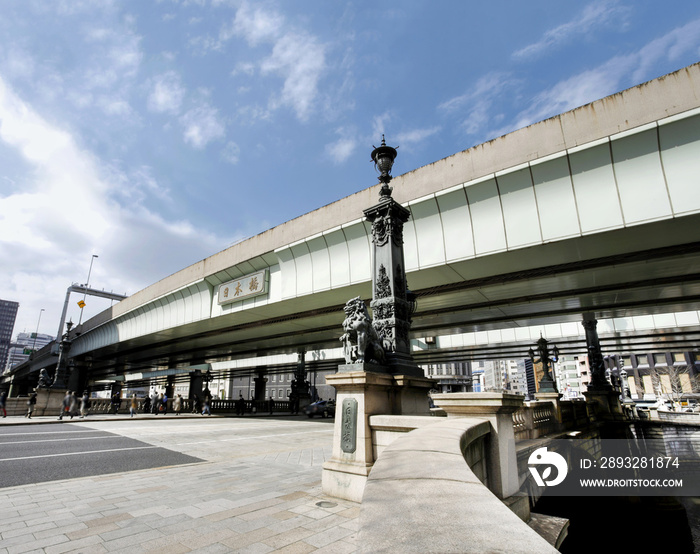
{"x": 28, "y": 531}
{"x": 87, "y": 544}
{"x": 170, "y": 547}
{"x": 294, "y": 496}
{"x": 288, "y": 524}
{"x": 284, "y": 514}
{"x": 297, "y": 548}
{"x": 157, "y": 522}
{"x": 91, "y": 531}
{"x": 338, "y": 547}
{"x": 246, "y": 539}
{"x": 37, "y": 545}
{"x": 324, "y": 523}
{"x": 328, "y": 536}
{"x": 197, "y": 540}
{"x": 113, "y": 518}
{"x": 287, "y": 538}
{"x": 132, "y": 540}
{"x": 255, "y": 548}
{"x": 245, "y": 527}
{"x": 179, "y": 526}
{"x": 126, "y": 531}
{"x": 350, "y": 513}
{"x": 64, "y": 529}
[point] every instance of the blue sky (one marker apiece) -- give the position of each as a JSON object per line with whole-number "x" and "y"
{"x": 156, "y": 133}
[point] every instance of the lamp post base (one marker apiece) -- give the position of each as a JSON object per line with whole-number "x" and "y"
{"x": 362, "y": 391}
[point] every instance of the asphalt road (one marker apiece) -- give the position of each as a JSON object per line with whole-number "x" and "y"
{"x": 48, "y": 452}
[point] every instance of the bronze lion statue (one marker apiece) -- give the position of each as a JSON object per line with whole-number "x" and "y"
{"x": 361, "y": 343}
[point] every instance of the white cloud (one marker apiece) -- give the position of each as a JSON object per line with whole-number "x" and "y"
{"x": 593, "y": 16}
{"x": 610, "y": 77}
{"x": 231, "y": 153}
{"x": 379, "y": 123}
{"x": 300, "y": 59}
{"x": 342, "y": 149}
{"x": 416, "y": 136}
{"x": 475, "y": 106}
{"x": 71, "y": 206}
{"x": 166, "y": 94}
{"x": 255, "y": 25}
{"x": 202, "y": 125}
{"x": 297, "y": 56}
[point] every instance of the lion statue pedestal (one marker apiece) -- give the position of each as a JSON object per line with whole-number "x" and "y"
{"x": 367, "y": 384}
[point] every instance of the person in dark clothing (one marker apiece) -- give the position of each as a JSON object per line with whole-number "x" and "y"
{"x": 31, "y": 403}
{"x": 195, "y": 404}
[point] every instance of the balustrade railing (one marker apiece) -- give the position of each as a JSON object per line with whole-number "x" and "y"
{"x": 536, "y": 419}
{"x": 217, "y": 406}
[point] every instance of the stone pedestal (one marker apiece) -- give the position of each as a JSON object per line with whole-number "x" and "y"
{"x": 498, "y": 408}
{"x": 49, "y": 402}
{"x": 364, "y": 390}
{"x": 606, "y": 402}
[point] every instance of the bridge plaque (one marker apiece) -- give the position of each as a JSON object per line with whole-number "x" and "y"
{"x": 348, "y": 426}
{"x": 247, "y": 286}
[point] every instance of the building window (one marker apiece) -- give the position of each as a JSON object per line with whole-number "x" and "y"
{"x": 659, "y": 359}
{"x": 642, "y": 359}
{"x": 678, "y": 357}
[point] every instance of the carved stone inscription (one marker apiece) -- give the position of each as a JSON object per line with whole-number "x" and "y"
{"x": 348, "y": 426}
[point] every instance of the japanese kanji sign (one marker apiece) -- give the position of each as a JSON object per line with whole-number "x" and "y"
{"x": 247, "y": 286}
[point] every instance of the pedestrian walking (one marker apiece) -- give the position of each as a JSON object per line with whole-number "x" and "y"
{"x": 195, "y": 404}
{"x": 116, "y": 402}
{"x": 147, "y": 405}
{"x": 84, "y": 404}
{"x": 73, "y": 409}
{"x": 154, "y": 402}
{"x": 158, "y": 404}
{"x": 240, "y": 405}
{"x": 134, "y": 407}
{"x": 65, "y": 405}
{"x": 207, "y": 406}
{"x": 3, "y": 401}
{"x": 31, "y": 403}
{"x": 177, "y": 404}
{"x": 164, "y": 403}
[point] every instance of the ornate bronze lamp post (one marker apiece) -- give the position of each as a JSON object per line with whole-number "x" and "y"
{"x": 547, "y": 383}
{"x": 60, "y": 379}
{"x": 595, "y": 356}
{"x": 392, "y": 303}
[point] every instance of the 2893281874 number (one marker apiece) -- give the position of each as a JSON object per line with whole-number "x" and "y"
{"x": 639, "y": 462}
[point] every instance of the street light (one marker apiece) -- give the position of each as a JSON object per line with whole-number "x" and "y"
{"x": 547, "y": 383}
{"x": 87, "y": 284}
{"x": 383, "y": 158}
{"x": 37, "y": 329}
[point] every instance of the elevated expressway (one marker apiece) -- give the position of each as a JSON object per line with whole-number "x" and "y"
{"x": 595, "y": 210}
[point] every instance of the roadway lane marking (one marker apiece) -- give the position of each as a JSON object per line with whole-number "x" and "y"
{"x": 76, "y": 453}
{"x": 66, "y": 440}
{"x": 49, "y": 433}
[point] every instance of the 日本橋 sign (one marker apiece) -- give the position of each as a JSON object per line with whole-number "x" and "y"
{"x": 247, "y": 286}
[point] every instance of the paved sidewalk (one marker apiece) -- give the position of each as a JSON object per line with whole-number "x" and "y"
{"x": 262, "y": 503}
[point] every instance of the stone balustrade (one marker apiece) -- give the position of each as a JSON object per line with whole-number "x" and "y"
{"x": 429, "y": 491}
